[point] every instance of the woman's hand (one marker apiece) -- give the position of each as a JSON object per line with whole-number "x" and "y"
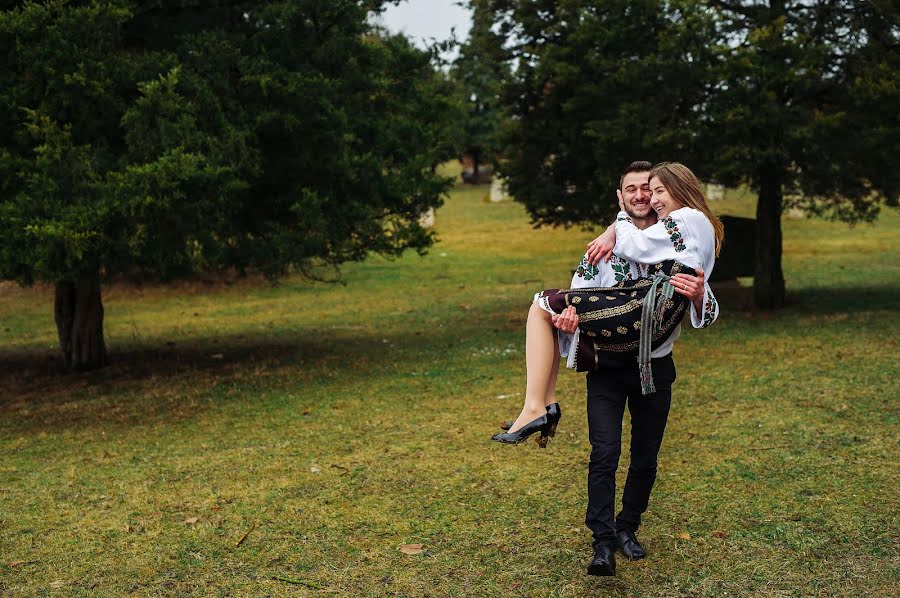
{"x": 602, "y": 247}
{"x": 567, "y": 321}
{"x": 691, "y": 287}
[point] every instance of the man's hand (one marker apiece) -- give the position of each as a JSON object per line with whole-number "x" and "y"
{"x": 691, "y": 287}
{"x": 567, "y": 321}
{"x": 602, "y": 247}
{"x": 621, "y": 200}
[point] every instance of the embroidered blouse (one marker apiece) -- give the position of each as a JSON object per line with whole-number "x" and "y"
{"x": 685, "y": 235}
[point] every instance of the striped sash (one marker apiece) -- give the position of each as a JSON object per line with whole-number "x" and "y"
{"x": 651, "y": 320}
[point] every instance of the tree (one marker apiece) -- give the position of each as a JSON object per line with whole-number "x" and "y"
{"x": 795, "y": 99}
{"x": 804, "y": 111}
{"x": 158, "y": 140}
{"x": 595, "y": 86}
{"x": 480, "y": 70}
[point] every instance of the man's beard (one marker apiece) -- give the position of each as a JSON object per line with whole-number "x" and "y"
{"x": 650, "y": 215}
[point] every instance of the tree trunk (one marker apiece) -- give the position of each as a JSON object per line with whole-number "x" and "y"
{"x": 79, "y": 323}
{"x": 476, "y": 176}
{"x": 768, "y": 277}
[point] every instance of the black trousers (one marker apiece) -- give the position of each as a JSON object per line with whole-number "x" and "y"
{"x": 608, "y": 391}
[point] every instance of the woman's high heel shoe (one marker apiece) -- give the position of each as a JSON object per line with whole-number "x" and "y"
{"x": 554, "y": 413}
{"x": 541, "y": 424}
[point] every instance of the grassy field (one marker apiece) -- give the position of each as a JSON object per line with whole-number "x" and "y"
{"x": 258, "y": 440}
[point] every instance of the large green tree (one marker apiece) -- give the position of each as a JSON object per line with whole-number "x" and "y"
{"x": 803, "y": 107}
{"x": 160, "y": 139}
{"x": 796, "y": 99}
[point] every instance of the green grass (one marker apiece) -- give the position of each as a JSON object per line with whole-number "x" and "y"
{"x": 348, "y": 420}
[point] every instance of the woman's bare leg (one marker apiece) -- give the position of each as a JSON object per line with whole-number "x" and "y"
{"x": 550, "y": 395}
{"x": 541, "y": 362}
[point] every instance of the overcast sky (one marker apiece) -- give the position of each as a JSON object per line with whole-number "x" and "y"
{"x": 422, "y": 20}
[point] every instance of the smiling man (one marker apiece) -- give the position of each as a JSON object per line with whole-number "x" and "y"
{"x": 612, "y": 386}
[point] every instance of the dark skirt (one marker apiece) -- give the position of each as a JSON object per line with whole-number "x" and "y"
{"x": 610, "y": 318}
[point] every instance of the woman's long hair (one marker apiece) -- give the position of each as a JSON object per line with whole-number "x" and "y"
{"x": 686, "y": 189}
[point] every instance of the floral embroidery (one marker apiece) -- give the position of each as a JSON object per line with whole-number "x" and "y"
{"x": 622, "y": 330}
{"x": 709, "y": 310}
{"x": 621, "y": 268}
{"x": 674, "y": 234}
{"x": 587, "y": 270}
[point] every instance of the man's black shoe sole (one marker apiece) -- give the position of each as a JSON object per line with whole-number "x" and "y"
{"x": 601, "y": 570}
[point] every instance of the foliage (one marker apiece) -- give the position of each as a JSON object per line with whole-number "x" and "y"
{"x": 480, "y": 70}
{"x": 794, "y": 99}
{"x": 350, "y": 421}
{"x": 162, "y": 139}
{"x": 596, "y": 85}
{"x": 805, "y": 97}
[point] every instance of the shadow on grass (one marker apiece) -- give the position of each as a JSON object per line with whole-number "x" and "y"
{"x": 815, "y": 301}
{"x": 176, "y": 381}
{"x": 826, "y": 301}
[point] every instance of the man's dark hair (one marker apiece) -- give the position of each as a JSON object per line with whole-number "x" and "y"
{"x": 638, "y": 166}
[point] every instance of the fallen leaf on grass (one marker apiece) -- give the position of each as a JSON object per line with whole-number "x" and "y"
{"x": 718, "y": 534}
{"x": 57, "y": 584}
{"x": 314, "y": 469}
{"x": 191, "y": 520}
{"x": 411, "y": 549}
{"x": 683, "y": 536}
{"x": 17, "y": 563}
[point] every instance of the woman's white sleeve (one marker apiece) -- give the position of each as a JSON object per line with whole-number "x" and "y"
{"x": 703, "y": 237}
{"x": 710, "y": 312}
{"x": 653, "y": 244}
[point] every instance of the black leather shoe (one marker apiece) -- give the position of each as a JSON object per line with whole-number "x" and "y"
{"x": 630, "y": 546}
{"x": 604, "y": 562}
{"x": 554, "y": 413}
{"x": 541, "y": 424}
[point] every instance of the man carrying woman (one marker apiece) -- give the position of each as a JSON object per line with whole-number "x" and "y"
{"x": 624, "y": 313}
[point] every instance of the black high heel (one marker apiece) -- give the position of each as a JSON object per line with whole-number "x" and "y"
{"x": 541, "y": 424}
{"x": 553, "y": 411}
{"x": 554, "y": 414}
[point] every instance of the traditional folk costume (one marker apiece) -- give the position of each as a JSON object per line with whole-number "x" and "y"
{"x": 633, "y": 311}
